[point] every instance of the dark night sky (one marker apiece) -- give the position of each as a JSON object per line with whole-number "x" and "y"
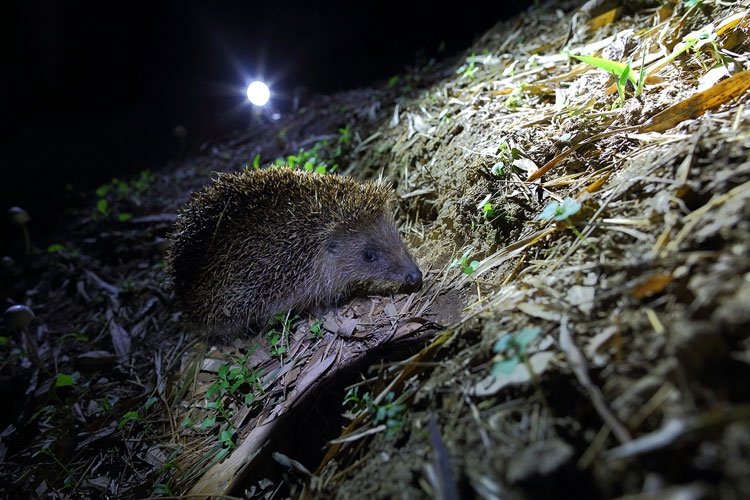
{"x": 91, "y": 90}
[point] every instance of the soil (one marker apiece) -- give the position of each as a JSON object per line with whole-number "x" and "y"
{"x": 604, "y": 354}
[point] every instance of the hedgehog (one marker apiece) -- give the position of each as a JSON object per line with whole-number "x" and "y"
{"x": 258, "y": 242}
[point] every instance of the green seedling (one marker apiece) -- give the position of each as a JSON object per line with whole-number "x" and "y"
{"x": 44, "y": 414}
{"x": 230, "y": 379}
{"x": 467, "y": 70}
{"x": 468, "y": 267}
{"x": 170, "y": 465}
{"x": 65, "y": 380}
{"x": 513, "y": 350}
{"x": 45, "y": 450}
{"x": 256, "y": 162}
{"x": 392, "y": 81}
{"x": 57, "y": 248}
{"x": 233, "y": 376}
{"x": 108, "y": 404}
{"x": 344, "y": 135}
{"x": 621, "y": 73}
{"x": 391, "y": 413}
{"x": 276, "y": 344}
{"x": 277, "y": 339}
{"x": 77, "y": 336}
{"x": 489, "y": 212}
{"x": 309, "y": 160}
{"x": 358, "y": 402}
{"x": 316, "y": 330}
{"x": 128, "y": 286}
{"x": 621, "y": 82}
{"x": 563, "y": 212}
{"x": 117, "y": 190}
{"x": 139, "y": 415}
{"x": 614, "y": 68}
{"x": 515, "y": 98}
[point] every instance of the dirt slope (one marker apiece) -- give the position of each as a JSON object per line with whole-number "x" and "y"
{"x": 604, "y": 354}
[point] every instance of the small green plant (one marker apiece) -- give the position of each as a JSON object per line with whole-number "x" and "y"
{"x": 128, "y": 286}
{"x": 344, "y": 135}
{"x": 276, "y": 343}
{"x": 139, "y": 415}
{"x": 79, "y": 335}
{"x": 621, "y": 83}
{"x": 310, "y": 160}
{"x": 391, "y": 413}
{"x": 316, "y": 330}
{"x": 468, "y": 267}
{"x": 614, "y": 68}
{"x": 276, "y": 338}
{"x": 358, "y": 402}
{"x": 107, "y": 404}
{"x": 233, "y": 376}
{"x": 563, "y": 212}
{"x": 45, "y": 450}
{"x": 515, "y": 98}
{"x": 55, "y": 248}
{"x": 468, "y": 69}
{"x": 117, "y": 190}
{"x": 44, "y": 414}
{"x": 514, "y": 348}
{"x": 489, "y": 212}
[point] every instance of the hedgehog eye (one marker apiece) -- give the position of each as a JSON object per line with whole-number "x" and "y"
{"x": 369, "y": 255}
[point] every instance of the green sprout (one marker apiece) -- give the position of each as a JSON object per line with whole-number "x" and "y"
{"x": 316, "y": 330}
{"x": 515, "y": 347}
{"x": 236, "y": 374}
{"x": 468, "y": 70}
{"x": 344, "y": 137}
{"x": 276, "y": 338}
{"x": 513, "y": 350}
{"x": 489, "y": 212}
{"x": 358, "y": 402}
{"x": 45, "y": 450}
{"x": 468, "y": 267}
{"x": 563, "y": 212}
{"x": 515, "y": 98}
{"x": 117, "y": 190}
{"x": 138, "y": 415}
{"x": 391, "y": 413}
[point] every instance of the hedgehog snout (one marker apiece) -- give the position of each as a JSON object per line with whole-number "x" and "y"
{"x": 413, "y": 279}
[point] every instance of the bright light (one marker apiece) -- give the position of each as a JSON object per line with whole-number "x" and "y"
{"x": 258, "y": 93}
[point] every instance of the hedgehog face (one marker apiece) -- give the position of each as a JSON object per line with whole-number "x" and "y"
{"x": 373, "y": 252}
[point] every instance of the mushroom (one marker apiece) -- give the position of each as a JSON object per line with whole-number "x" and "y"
{"x": 20, "y": 217}
{"x": 19, "y": 317}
